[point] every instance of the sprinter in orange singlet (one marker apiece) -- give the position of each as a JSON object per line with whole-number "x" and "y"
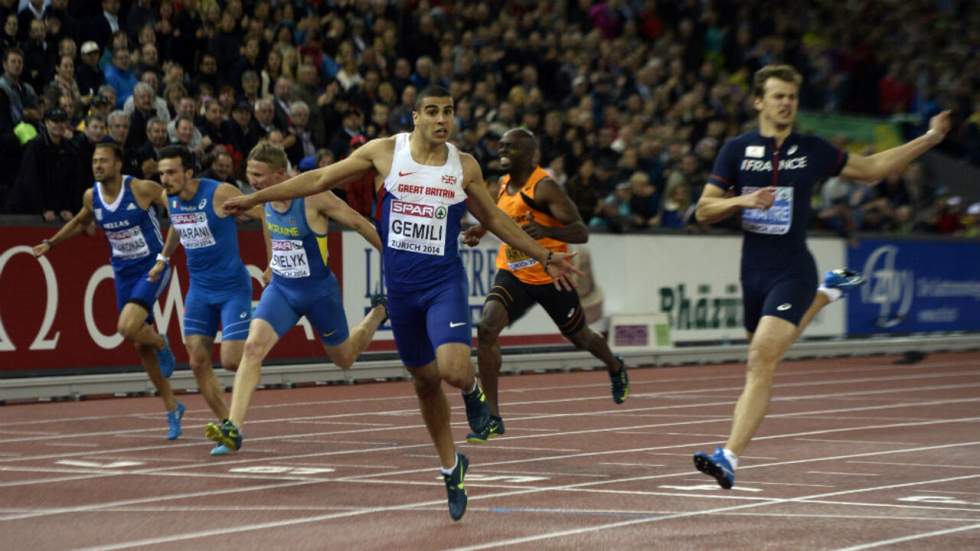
{"x": 536, "y": 203}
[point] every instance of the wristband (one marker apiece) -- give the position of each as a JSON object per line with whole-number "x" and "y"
{"x": 547, "y": 261}
{"x": 48, "y": 243}
{"x": 164, "y": 259}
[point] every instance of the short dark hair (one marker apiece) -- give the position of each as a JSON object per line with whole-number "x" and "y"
{"x": 109, "y": 144}
{"x": 431, "y": 91}
{"x": 785, "y": 73}
{"x": 13, "y": 51}
{"x": 176, "y": 151}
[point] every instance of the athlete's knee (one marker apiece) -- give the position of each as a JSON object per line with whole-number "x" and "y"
{"x": 762, "y": 362}
{"x": 426, "y": 386}
{"x": 128, "y": 329}
{"x": 343, "y": 357}
{"x": 487, "y": 332}
{"x": 254, "y": 350}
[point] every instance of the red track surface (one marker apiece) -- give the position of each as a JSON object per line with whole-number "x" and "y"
{"x": 855, "y": 453}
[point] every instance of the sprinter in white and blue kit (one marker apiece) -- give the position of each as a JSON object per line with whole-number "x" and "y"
{"x": 220, "y": 293}
{"x": 125, "y": 209}
{"x": 769, "y": 174}
{"x": 425, "y": 185}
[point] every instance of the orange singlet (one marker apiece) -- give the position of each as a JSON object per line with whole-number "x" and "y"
{"x": 521, "y": 208}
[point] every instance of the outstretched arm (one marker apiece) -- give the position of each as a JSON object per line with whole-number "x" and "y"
{"x": 72, "y": 228}
{"x": 314, "y": 181}
{"x": 333, "y": 207}
{"x": 874, "y": 168}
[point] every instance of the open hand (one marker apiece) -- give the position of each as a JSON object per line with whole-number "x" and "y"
{"x": 560, "y": 267}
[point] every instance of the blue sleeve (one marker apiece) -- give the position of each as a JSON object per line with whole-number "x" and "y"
{"x": 829, "y": 160}
{"x": 725, "y": 172}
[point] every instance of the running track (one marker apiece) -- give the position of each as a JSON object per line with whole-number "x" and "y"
{"x": 856, "y": 453}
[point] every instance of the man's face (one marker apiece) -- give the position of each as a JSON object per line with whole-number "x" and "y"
{"x": 173, "y": 175}
{"x": 260, "y": 175}
{"x": 105, "y": 165}
{"x": 91, "y": 59}
{"x": 209, "y": 65}
{"x": 157, "y": 134}
{"x": 143, "y": 100}
{"x": 37, "y": 30}
{"x": 434, "y": 119}
{"x": 300, "y": 118}
{"x": 223, "y": 167}
{"x": 185, "y": 131}
{"x": 264, "y": 113}
{"x": 111, "y": 6}
{"x": 516, "y": 149}
{"x": 13, "y": 65}
{"x": 284, "y": 89}
{"x": 242, "y": 116}
{"x": 149, "y": 52}
{"x": 118, "y": 130}
{"x": 213, "y": 113}
{"x": 95, "y": 130}
{"x": 779, "y": 103}
{"x": 186, "y": 108}
{"x": 121, "y": 59}
{"x": 66, "y": 68}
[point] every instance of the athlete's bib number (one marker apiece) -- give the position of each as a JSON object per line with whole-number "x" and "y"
{"x": 776, "y": 220}
{"x": 517, "y": 260}
{"x": 289, "y": 259}
{"x": 417, "y": 228}
{"x": 193, "y": 229}
{"x": 128, "y": 243}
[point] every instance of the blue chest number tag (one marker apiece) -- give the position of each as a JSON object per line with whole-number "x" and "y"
{"x": 776, "y": 220}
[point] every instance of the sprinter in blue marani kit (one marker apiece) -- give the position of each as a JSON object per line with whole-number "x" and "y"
{"x": 125, "y": 209}
{"x": 302, "y": 285}
{"x": 769, "y": 175}
{"x": 220, "y": 292}
{"x": 424, "y": 186}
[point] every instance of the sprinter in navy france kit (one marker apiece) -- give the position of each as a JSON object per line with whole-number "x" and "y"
{"x": 769, "y": 175}
{"x": 775, "y": 237}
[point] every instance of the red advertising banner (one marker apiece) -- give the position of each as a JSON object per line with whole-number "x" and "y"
{"x": 58, "y": 312}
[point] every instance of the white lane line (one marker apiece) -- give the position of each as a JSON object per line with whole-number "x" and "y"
{"x": 929, "y": 507}
{"x": 842, "y": 474}
{"x": 597, "y": 528}
{"x": 726, "y": 403}
{"x": 928, "y": 465}
{"x": 928, "y": 368}
{"x": 912, "y": 537}
{"x": 872, "y": 442}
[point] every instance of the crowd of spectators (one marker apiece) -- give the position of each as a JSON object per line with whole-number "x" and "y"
{"x": 630, "y": 99}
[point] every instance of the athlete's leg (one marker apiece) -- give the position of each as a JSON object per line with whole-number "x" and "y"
{"x": 435, "y": 411}
{"x": 345, "y": 354}
{"x": 492, "y": 322}
{"x": 148, "y": 357}
{"x": 261, "y": 338}
{"x": 772, "y": 338}
{"x": 587, "y": 339}
{"x": 199, "y": 356}
{"x": 819, "y": 301}
{"x": 133, "y": 327}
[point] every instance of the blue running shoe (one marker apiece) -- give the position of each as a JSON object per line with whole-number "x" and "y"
{"x": 166, "y": 358}
{"x": 455, "y": 487}
{"x": 173, "y": 422}
{"x": 716, "y": 465}
{"x": 495, "y": 429}
{"x": 226, "y": 434}
{"x": 843, "y": 279}
{"x": 221, "y": 449}
{"x": 620, "y": 383}
{"x": 478, "y": 415}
